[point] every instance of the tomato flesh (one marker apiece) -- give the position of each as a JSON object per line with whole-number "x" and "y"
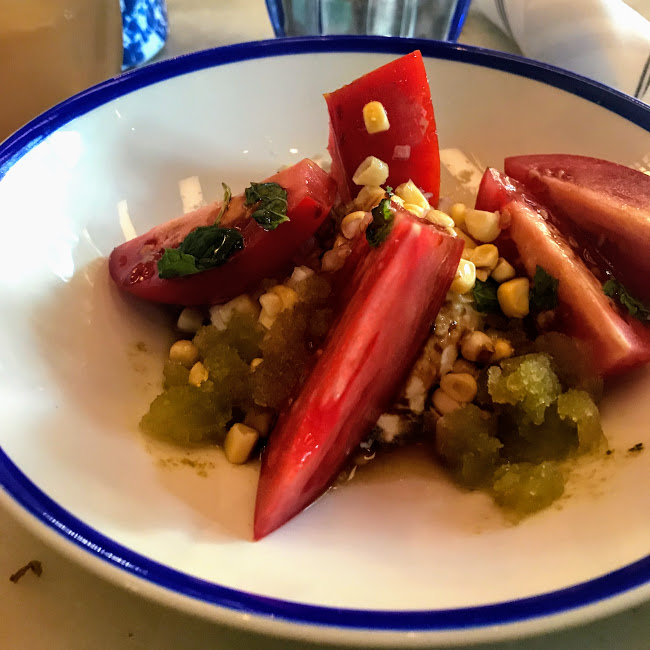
{"x": 607, "y": 201}
{"x": 310, "y": 196}
{"x": 397, "y": 291}
{"x": 409, "y": 147}
{"x": 617, "y": 342}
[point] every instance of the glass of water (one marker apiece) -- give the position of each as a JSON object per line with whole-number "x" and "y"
{"x": 437, "y": 19}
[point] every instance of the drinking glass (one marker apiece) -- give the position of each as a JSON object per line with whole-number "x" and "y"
{"x": 437, "y": 19}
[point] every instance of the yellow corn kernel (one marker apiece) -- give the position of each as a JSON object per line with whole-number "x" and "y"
{"x": 477, "y": 346}
{"x": 513, "y": 297}
{"x": 482, "y": 225}
{"x": 287, "y": 295}
{"x": 299, "y": 274}
{"x": 334, "y": 259}
{"x": 271, "y": 307}
{"x": 198, "y": 374}
{"x": 465, "y": 366}
{"x": 340, "y": 241}
{"x": 443, "y": 403}
{"x": 184, "y": 352}
{"x": 352, "y": 223}
{"x": 502, "y": 350}
{"x": 469, "y": 242}
{"x": 265, "y": 319}
{"x": 482, "y": 274}
{"x": 271, "y": 303}
{"x": 221, "y": 315}
{"x": 369, "y": 196}
{"x": 239, "y": 443}
{"x": 255, "y": 362}
{"x": 371, "y": 171}
{"x": 448, "y": 358}
{"x": 331, "y": 261}
{"x": 503, "y": 271}
{"x": 411, "y": 193}
{"x": 375, "y": 118}
{"x": 485, "y": 256}
{"x": 439, "y": 218}
{"x": 414, "y": 209}
{"x": 190, "y": 320}
{"x": 459, "y": 386}
{"x": 465, "y": 277}
{"x": 457, "y": 213}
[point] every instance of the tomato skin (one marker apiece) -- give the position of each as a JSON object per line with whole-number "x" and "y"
{"x": 397, "y": 291}
{"x": 607, "y": 201}
{"x": 618, "y": 342}
{"x": 310, "y": 196}
{"x": 402, "y": 87}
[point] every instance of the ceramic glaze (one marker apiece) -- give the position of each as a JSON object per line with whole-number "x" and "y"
{"x": 400, "y": 556}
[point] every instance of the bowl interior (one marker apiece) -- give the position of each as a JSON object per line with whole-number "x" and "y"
{"x": 81, "y": 362}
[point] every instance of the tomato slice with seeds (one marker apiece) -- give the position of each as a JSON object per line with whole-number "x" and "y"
{"x": 618, "y": 341}
{"x": 310, "y": 196}
{"x": 409, "y": 147}
{"x": 608, "y": 201}
{"x": 398, "y": 289}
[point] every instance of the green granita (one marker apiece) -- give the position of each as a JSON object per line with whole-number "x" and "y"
{"x": 466, "y": 442}
{"x": 175, "y": 374}
{"x": 524, "y": 488}
{"x": 523, "y": 441}
{"x": 527, "y": 382}
{"x": 511, "y": 446}
{"x": 288, "y": 347}
{"x": 577, "y": 407}
{"x": 187, "y": 414}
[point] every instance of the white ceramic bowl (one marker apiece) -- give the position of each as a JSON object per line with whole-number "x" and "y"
{"x": 398, "y": 556}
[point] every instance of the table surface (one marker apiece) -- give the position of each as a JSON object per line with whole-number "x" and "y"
{"x": 69, "y": 607}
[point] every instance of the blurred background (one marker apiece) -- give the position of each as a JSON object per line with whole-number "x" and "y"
{"x": 52, "y": 49}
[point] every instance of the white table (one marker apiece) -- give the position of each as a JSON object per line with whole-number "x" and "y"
{"x": 70, "y": 608}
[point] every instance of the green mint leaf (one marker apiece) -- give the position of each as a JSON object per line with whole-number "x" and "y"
{"x": 271, "y": 201}
{"x": 174, "y": 264}
{"x": 635, "y": 307}
{"x": 382, "y": 222}
{"x": 204, "y": 248}
{"x": 212, "y": 245}
{"x": 543, "y": 294}
{"x": 485, "y": 296}
{"x": 227, "y": 195}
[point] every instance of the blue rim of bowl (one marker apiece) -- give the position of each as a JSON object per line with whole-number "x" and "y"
{"x": 55, "y": 517}
{"x": 275, "y": 9}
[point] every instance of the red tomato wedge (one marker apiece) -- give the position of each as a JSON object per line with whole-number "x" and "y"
{"x": 609, "y": 202}
{"x": 618, "y": 343}
{"x": 310, "y": 196}
{"x": 398, "y": 290}
{"x": 409, "y": 147}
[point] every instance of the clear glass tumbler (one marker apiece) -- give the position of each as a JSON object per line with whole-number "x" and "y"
{"x": 437, "y": 19}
